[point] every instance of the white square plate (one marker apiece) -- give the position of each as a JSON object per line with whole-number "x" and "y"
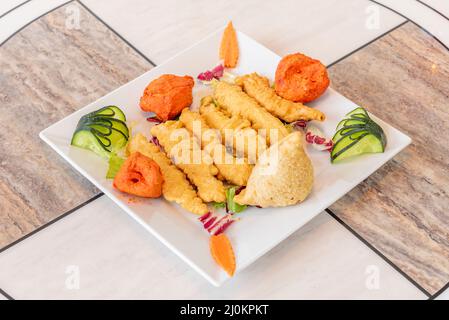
{"x": 259, "y": 230}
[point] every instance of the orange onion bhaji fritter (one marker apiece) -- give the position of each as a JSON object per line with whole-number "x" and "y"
{"x": 167, "y": 95}
{"x": 300, "y": 78}
{"x": 140, "y": 176}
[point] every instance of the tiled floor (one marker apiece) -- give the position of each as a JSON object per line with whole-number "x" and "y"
{"x": 116, "y": 258}
{"x": 187, "y": 22}
{"x": 326, "y": 260}
{"x": 401, "y": 209}
{"x": 68, "y": 69}
{"x": 8, "y": 5}
{"x": 422, "y": 15}
{"x": 444, "y": 295}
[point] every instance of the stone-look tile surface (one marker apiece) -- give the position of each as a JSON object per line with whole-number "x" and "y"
{"x": 403, "y": 208}
{"x": 47, "y": 72}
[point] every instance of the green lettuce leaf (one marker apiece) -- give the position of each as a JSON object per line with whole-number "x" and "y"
{"x": 232, "y": 205}
{"x": 115, "y": 163}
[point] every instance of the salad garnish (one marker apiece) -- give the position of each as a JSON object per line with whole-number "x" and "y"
{"x": 215, "y": 224}
{"x": 231, "y": 205}
{"x": 102, "y": 131}
{"x": 115, "y": 162}
{"x": 357, "y": 134}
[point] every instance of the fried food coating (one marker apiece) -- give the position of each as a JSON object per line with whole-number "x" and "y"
{"x": 229, "y": 47}
{"x": 237, "y": 103}
{"x": 283, "y": 176}
{"x": 167, "y": 95}
{"x": 187, "y": 155}
{"x": 176, "y": 187}
{"x": 300, "y": 78}
{"x": 236, "y": 132}
{"x": 258, "y": 87}
{"x": 140, "y": 176}
{"x": 236, "y": 171}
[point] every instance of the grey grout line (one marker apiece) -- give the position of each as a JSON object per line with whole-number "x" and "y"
{"x": 116, "y": 33}
{"x": 51, "y": 222}
{"x": 380, "y": 254}
{"x": 367, "y": 44}
{"x": 152, "y": 63}
{"x": 6, "y": 295}
{"x": 35, "y": 19}
{"x": 439, "y": 292}
{"x": 433, "y": 9}
{"x": 417, "y": 24}
{"x": 431, "y": 297}
{"x": 12, "y": 9}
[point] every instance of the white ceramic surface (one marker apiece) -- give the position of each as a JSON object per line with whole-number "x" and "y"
{"x": 98, "y": 252}
{"x": 180, "y": 230}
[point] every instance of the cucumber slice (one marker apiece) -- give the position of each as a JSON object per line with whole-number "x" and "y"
{"x": 106, "y": 122}
{"x": 102, "y": 131}
{"x": 113, "y": 112}
{"x": 350, "y": 122}
{"x": 87, "y": 140}
{"x": 110, "y": 138}
{"x": 357, "y": 134}
{"x": 347, "y": 147}
{"x": 358, "y": 112}
{"x": 347, "y": 131}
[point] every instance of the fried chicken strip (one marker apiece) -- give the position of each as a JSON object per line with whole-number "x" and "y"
{"x": 258, "y": 87}
{"x": 236, "y": 171}
{"x": 235, "y": 131}
{"x": 176, "y": 187}
{"x": 232, "y": 98}
{"x": 188, "y": 156}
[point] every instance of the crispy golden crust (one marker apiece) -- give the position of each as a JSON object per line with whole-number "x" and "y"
{"x": 258, "y": 87}
{"x": 176, "y": 187}
{"x": 236, "y": 171}
{"x": 237, "y": 103}
{"x": 188, "y": 156}
{"x": 282, "y": 177}
{"x": 236, "y": 132}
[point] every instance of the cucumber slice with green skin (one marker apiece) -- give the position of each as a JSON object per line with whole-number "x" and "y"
{"x": 347, "y": 147}
{"x": 102, "y": 131}
{"x": 357, "y": 134}
{"x": 345, "y": 131}
{"x": 358, "y": 111}
{"x": 86, "y": 139}
{"x": 107, "y": 122}
{"x": 108, "y": 112}
{"x": 350, "y": 122}
{"x": 110, "y": 138}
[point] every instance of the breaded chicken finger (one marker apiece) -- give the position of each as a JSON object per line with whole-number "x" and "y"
{"x": 188, "y": 156}
{"x": 176, "y": 187}
{"x": 236, "y": 132}
{"x": 236, "y": 102}
{"x": 236, "y": 171}
{"x": 258, "y": 87}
